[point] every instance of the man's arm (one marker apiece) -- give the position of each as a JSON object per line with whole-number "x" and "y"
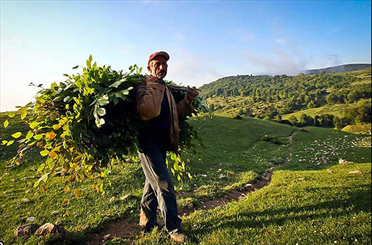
{"x": 149, "y": 97}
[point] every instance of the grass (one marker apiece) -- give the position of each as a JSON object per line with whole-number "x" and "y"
{"x": 364, "y": 75}
{"x": 358, "y": 129}
{"x": 336, "y": 110}
{"x": 303, "y": 207}
{"x": 314, "y": 200}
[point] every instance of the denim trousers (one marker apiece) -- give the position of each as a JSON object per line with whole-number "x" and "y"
{"x": 158, "y": 189}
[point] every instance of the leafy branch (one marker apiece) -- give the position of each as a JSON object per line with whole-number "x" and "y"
{"x": 86, "y": 124}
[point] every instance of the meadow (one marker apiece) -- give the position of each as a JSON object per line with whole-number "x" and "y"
{"x": 312, "y": 199}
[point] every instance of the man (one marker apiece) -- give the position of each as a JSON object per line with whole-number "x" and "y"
{"x": 157, "y": 106}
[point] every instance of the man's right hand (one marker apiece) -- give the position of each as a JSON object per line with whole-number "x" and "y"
{"x": 192, "y": 93}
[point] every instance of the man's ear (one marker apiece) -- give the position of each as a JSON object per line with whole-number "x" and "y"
{"x": 149, "y": 68}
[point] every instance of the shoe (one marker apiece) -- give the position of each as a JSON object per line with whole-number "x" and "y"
{"x": 178, "y": 237}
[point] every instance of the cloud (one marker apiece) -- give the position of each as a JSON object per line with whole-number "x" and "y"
{"x": 191, "y": 69}
{"x": 279, "y": 61}
{"x": 278, "y": 54}
{"x": 243, "y": 35}
{"x": 333, "y": 60}
{"x": 281, "y": 40}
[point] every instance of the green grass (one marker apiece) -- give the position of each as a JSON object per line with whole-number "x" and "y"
{"x": 311, "y": 201}
{"x": 358, "y": 129}
{"x": 336, "y": 110}
{"x": 364, "y": 75}
{"x": 326, "y": 206}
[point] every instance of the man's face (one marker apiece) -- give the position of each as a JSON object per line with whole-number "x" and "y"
{"x": 158, "y": 67}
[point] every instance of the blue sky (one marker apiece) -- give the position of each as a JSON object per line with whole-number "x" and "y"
{"x": 207, "y": 40}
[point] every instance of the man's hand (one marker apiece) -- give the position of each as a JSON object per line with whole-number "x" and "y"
{"x": 192, "y": 93}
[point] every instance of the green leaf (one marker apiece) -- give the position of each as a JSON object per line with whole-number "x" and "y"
{"x": 54, "y": 85}
{"x": 41, "y": 167}
{"x": 16, "y": 135}
{"x": 6, "y": 123}
{"x": 58, "y": 99}
{"x": 50, "y": 163}
{"x": 11, "y": 114}
{"x": 34, "y": 125}
{"x": 117, "y": 83}
{"x": 29, "y": 134}
{"x": 10, "y": 142}
{"x": 75, "y": 67}
{"x": 119, "y": 95}
{"x": 89, "y": 61}
{"x": 23, "y": 114}
{"x": 36, "y": 184}
{"x": 38, "y": 136}
{"x": 103, "y": 100}
{"x": 115, "y": 100}
{"x": 44, "y": 153}
{"x": 101, "y": 111}
{"x": 125, "y": 92}
{"x": 99, "y": 122}
{"x": 67, "y": 99}
{"x": 57, "y": 126}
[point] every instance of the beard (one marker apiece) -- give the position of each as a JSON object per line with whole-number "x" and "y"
{"x": 161, "y": 74}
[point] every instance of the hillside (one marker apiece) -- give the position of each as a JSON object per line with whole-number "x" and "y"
{"x": 311, "y": 199}
{"x": 340, "y": 68}
{"x": 272, "y": 97}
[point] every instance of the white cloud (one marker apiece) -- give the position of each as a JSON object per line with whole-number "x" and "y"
{"x": 332, "y": 60}
{"x": 279, "y": 62}
{"x": 243, "y": 35}
{"x": 187, "y": 68}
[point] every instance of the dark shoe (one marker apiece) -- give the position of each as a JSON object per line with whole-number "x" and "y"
{"x": 178, "y": 237}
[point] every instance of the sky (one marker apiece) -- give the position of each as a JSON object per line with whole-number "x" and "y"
{"x": 206, "y": 39}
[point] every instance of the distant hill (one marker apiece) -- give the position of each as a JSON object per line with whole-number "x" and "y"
{"x": 272, "y": 97}
{"x": 340, "y": 68}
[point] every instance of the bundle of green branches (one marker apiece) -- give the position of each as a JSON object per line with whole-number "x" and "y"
{"x": 88, "y": 122}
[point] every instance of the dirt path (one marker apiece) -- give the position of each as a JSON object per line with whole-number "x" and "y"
{"x": 127, "y": 228}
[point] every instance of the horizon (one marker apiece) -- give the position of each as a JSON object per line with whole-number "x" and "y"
{"x": 206, "y": 40}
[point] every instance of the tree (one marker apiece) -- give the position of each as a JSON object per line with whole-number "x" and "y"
{"x": 354, "y": 96}
{"x": 293, "y": 120}
{"x": 331, "y": 99}
{"x": 306, "y": 120}
{"x": 311, "y": 104}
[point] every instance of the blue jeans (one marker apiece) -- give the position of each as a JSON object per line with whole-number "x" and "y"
{"x": 158, "y": 189}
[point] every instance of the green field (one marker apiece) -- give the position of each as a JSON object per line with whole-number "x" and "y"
{"x": 364, "y": 75}
{"x": 336, "y": 110}
{"x": 312, "y": 200}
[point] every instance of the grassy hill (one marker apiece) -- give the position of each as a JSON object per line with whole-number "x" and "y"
{"x": 273, "y": 96}
{"x": 312, "y": 200}
{"x": 337, "y": 110}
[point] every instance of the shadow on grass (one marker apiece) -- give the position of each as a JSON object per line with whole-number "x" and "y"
{"x": 358, "y": 202}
